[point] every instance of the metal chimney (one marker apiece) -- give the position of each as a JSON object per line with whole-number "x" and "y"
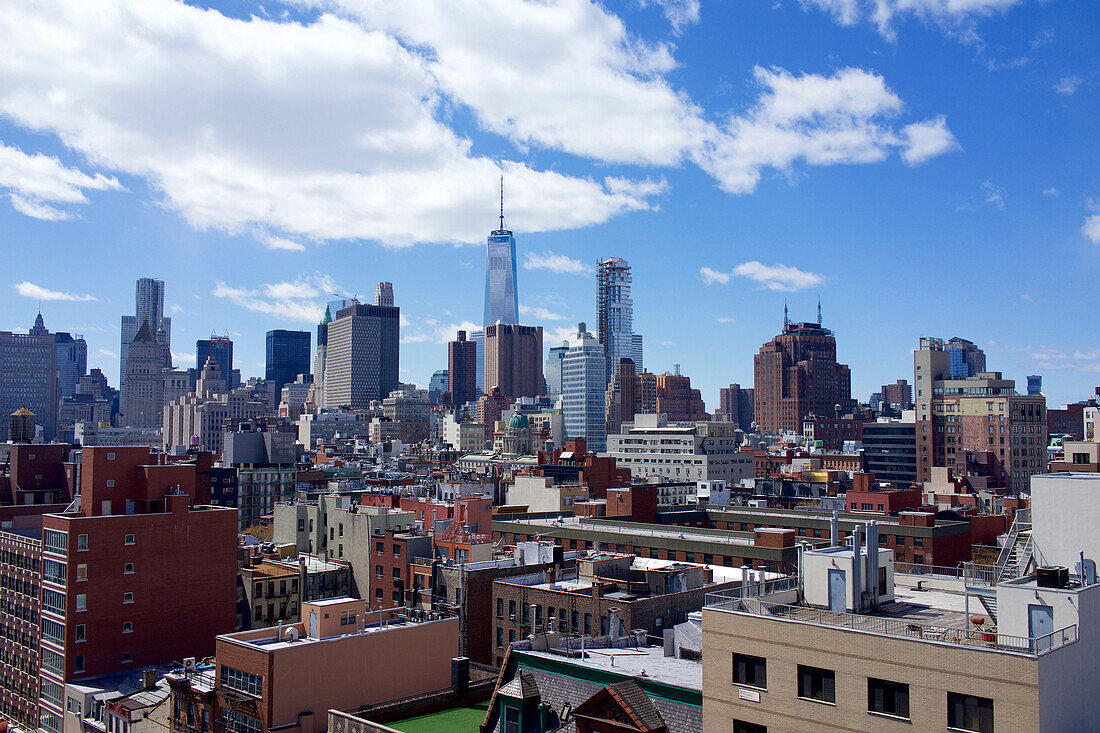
{"x": 872, "y": 563}
{"x": 834, "y": 530}
{"x": 857, "y": 570}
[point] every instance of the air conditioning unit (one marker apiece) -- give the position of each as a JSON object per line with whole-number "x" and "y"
{"x": 189, "y": 664}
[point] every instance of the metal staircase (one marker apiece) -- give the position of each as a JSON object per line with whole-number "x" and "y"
{"x": 1015, "y": 560}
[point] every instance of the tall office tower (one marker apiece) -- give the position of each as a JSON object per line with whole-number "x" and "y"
{"x": 957, "y": 418}
{"x": 552, "y": 373}
{"x": 287, "y": 356}
{"x": 383, "y": 294}
{"x": 636, "y": 339}
{"x": 500, "y": 273}
{"x": 28, "y": 377}
{"x": 220, "y": 349}
{"x": 72, "y": 361}
{"x": 143, "y": 393}
{"x": 363, "y": 355}
{"x": 513, "y": 359}
{"x": 1034, "y": 384}
{"x": 478, "y": 339}
{"x": 583, "y": 390}
{"x": 796, "y": 374}
{"x": 965, "y": 358}
{"x": 437, "y": 385}
{"x": 148, "y": 306}
{"x": 621, "y": 396}
{"x": 615, "y": 315}
{"x": 735, "y": 405}
{"x": 462, "y": 370}
{"x": 152, "y": 564}
{"x": 320, "y": 357}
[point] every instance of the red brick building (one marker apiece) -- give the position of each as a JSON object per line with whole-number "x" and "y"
{"x": 140, "y": 574}
{"x": 796, "y": 374}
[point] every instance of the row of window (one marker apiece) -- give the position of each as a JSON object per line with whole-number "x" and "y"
{"x": 884, "y": 697}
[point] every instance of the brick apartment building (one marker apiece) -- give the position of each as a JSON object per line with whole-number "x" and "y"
{"x": 141, "y": 574}
{"x": 20, "y": 573}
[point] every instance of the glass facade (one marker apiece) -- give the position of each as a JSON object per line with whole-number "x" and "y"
{"x": 584, "y": 382}
{"x": 500, "y": 278}
{"x": 615, "y": 315}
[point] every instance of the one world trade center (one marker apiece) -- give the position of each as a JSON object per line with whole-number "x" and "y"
{"x": 500, "y": 273}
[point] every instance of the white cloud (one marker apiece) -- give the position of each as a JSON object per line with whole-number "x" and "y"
{"x": 1091, "y": 228}
{"x": 723, "y": 319}
{"x": 272, "y": 242}
{"x": 839, "y": 119}
{"x": 36, "y": 181}
{"x": 554, "y": 263}
{"x": 712, "y": 277}
{"x": 993, "y": 194}
{"x": 108, "y": 353}
{"x": 1050, "y": 191}
{"x": 301, "y": 300}
{"x": 182, "y": 357}
{"x": 37, "y": 292}
{"x": 336, "y": 128}
{"x": 779, "y": 277}
{"x": 928, "y": 139}
{"x": 433, "y": 332}
{"x": 539, "y": 313}
{"x": 1068, "y": 85}
{"x": 679, "y": 13}
{"x": 323, "y": 130}
{"x": 954, "y": 16}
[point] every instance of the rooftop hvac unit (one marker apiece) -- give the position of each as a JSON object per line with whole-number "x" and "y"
{"x": 1052, "y": 576}
{"x": 189, "y": 663}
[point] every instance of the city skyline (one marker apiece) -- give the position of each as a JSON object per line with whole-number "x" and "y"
{"x": 704, "y": 249}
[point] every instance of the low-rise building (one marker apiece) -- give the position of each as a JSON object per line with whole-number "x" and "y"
{"x": 340, "y": 657}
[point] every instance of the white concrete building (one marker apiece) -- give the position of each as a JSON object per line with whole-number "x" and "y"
{"x": 651, "y": 448}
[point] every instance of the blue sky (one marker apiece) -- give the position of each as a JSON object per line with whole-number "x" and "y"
{"x": 925, "y": 168}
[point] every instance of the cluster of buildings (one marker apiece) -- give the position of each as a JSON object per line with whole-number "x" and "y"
{"x": 548, "y": 536}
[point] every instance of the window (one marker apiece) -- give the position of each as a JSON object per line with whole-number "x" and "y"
{"x": 347, "y": 618}
{"x": 887, "y": 698}
{"x": 234, "y": 722}
{"x": 500, "y": 636}
{"x": 79, "y": 633}
{"x": 54, "y": 541}
{"x": 128, "y": 540}
{"x": 500, "y": 608}
{"x": 79, "y": 663}
{"x": 740, "y": 726}
{"x": 127, "y": 657}
{"x": 128, "y": 597}
{"x": 750, "y": 671}
{"x": 511, "y": 719}
{"x": 81, "y": 602}
{"x": 127, "y": 627}
{"x": 241, "y": 681}
{"x": 816, "y": 684}
{"x": 969, "y": 712}
{"x": 53, "y": 571}
{"x": 82, "y": 571}
{"x": 128, "y": 568}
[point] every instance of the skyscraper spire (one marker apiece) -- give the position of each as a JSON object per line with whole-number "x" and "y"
{"x": 819, "y": 311}
{"x": 502, "y": 201}
{"x": 786, "y": 320}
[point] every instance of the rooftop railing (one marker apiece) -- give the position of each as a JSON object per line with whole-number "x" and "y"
{"x": 754, "y": 589}
{"x": 897, "y": 627}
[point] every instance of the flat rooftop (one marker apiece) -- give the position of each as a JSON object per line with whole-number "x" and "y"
{"x": 644, "y": 662}
{"x": 633, "y": 529}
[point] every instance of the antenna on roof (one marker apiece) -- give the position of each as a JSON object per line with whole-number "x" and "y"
{"x": 502, "y": 201}
{"x": 819, "y": 311}
{"x": 786, "y": 320}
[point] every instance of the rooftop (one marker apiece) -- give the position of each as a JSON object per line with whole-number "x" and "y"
{"x": 645, "y": 662}
{"x": 925, "y": 616}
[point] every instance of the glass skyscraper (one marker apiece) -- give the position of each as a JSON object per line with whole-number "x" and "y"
{"x": 583, "y": 390}
{"x": 500, "y": 274}
{"x": 615, "y": 315}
